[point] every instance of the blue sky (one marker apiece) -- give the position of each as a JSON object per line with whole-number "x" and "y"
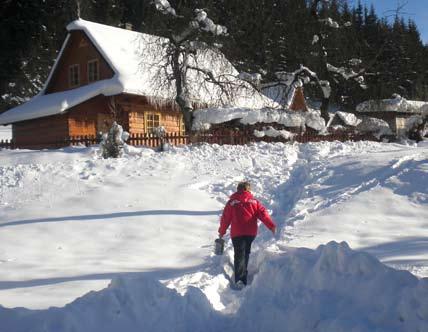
{"x": 414, "y": 9}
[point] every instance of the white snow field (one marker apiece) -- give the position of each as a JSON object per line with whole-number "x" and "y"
{"x": 126, "y": 244}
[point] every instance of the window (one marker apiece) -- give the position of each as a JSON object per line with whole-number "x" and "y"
{"x": 93, "y": 70}
{"x": 83, "y": 43}
{"x": 74, "y": 75}
{"x": 152, "y": 121}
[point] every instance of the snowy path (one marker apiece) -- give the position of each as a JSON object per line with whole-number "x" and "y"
{"x": 310, "y": 190}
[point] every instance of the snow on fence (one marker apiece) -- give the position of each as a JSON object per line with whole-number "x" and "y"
{"x": 225, "y": 136}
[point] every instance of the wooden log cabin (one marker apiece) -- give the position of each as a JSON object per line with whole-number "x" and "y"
{"x": 104, "y": 74}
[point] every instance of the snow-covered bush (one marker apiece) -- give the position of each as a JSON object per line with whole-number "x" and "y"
{"x": 374, "y": 126}
{"x": 349, "y": 118}
{"x": 113, "y": 142}
{"x": 160, "y": 133}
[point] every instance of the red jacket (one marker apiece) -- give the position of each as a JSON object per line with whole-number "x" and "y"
{"x": 242, "y": 212}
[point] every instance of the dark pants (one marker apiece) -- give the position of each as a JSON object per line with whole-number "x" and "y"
{"x": 242, "y": 249}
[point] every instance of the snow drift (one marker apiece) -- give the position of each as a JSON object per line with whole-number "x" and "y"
{"x": 332, "y": 288}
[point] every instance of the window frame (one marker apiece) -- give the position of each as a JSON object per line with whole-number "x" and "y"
{"x": 71, "y": 75}
{"x": 147, "y": 120}
{"x": 97, "y": 66}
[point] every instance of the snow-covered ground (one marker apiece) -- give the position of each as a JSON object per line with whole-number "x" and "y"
{"x": 137, "y": 234}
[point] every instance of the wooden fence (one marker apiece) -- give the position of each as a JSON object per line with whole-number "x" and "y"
{"x": 226, "y": 136}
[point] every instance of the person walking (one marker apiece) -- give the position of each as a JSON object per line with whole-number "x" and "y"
{"x": 242, "y": 212}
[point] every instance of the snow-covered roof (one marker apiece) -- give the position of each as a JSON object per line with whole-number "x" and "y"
{"x": 279, "y": 94}
{"x": 138, "y": 60}
{"x": 282, "y": 94}
{"x": 56, "y": 103}
{"x": 204, "y": 118}
{"x": 396, "y": 104}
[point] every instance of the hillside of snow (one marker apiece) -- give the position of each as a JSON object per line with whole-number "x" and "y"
{"x": 127, "y": 244}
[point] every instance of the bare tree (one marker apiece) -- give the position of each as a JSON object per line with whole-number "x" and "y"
{"x": 193, "y": 61}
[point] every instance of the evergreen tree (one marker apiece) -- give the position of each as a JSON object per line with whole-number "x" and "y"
{"x": 30, "y": 39}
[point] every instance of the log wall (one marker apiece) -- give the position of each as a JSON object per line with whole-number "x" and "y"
{"x": 92, "y": 117}
{"x": 40, "y": 133}
{"x": 79, "y": 50}
{"x": 87, "y": 118}
{"x": 139, "y": 107}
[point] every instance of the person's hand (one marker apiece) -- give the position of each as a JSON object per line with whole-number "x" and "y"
{"x": 273, "y": 230}
{"x": 220, "y": 236}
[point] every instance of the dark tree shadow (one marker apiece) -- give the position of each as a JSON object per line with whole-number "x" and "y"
{"x": 90, "y": 217}
{"x": 393, "y": 252}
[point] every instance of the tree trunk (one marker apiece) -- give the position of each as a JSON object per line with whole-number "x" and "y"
{"x": 180, "y": 70}
{"x": 324, "y": 109}
{"x": 187, "y": 111}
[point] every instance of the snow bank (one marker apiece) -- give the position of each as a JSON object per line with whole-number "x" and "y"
{"x": 332, "y": 288}
{"x": 203, "y": 119}
{"x": 128, "y": 304}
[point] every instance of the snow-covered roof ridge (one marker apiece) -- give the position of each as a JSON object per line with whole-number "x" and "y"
{"x": 395, "y": 104}
{"x": 139, "y": 64}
